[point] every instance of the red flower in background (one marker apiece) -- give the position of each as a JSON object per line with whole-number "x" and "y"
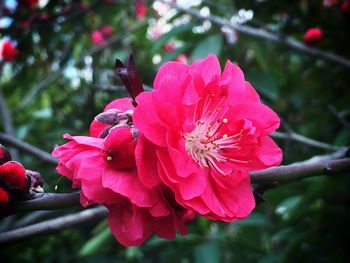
{"x": 101, "y": 36}
{"x": 140, "y": 9}
{"x": 345, "y": 6}
{"x": 105, "y": 170}
{"x": 29, "y": 4}
{"x": 200, "y": 132}
{"x": 313, "y": 36}
{"x": 8, "y": 52}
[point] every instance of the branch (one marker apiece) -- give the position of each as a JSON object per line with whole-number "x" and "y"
{"x": 53, "y": 225}
{"x": 47, "y": 201}
{"x": 305, "y": 140}
{"x": 260, "y": 33}
{"x": 42, "y": 155}
{"x": 318, "y": 165}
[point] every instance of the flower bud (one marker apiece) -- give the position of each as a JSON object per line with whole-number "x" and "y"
{"x": 4, "y": 199}
{"x": 112, "y": 116}
{"x": 13, "y": 175}
{"x": 5, "y": 155}
{"x": 36, "y": 182}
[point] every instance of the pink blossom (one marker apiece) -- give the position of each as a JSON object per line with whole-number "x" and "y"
{"x": 100, "y": 37}
{"x": 313, "y": 36}
{"x": 182, "y": 58}
{"x": 103, "y": 166}
{"x": 8, "y": 52}
{"x": 97, "y": 37}
{"x": 140, "y": 9}
{"x": 200, "y": 133}
{"x": 169, "y": 47}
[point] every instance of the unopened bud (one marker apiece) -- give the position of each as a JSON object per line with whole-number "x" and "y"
{"x": 112, "y": 116}
{"x": 36, "y": 181}
{"x": 5, "y": 155}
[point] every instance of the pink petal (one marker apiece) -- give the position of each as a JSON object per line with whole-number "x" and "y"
{"x": 126, "y": 183}
{"x": 146, "y": 162}
{"x": 263, "y": 117}
{"x": 146, "y": 119}
{"x": 129, "y": 224}
{"x": 176, "y": 70}
{"x": 239, "y": 90}
{"x": 269, "y": 153}
{"x": 208, "y": 68}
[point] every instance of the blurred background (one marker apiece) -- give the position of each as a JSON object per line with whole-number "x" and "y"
{"x": 57, "y": 73}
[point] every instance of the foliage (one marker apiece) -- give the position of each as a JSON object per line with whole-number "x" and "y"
{"x": 306, "y": 221}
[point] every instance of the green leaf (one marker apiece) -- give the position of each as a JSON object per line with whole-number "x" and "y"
{"x": 265, "y": 84}
{"x": 211, "y": 44}
{"x": 207, "y": 253}
{"x": 96, "y": 243}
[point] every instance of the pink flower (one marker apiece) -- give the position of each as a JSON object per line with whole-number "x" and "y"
{"x": 182, "y": 58}
{"x": 100, "y": 37}
{"x": 200, "y": 133}
{"x": 169, "y": 47}
{"x": 97, "y": 38}
{"x": 8, "y": 52}
{"x": 103, "y": 166}
{"x": 313, "y": 36}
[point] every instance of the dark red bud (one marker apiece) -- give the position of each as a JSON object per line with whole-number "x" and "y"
{"x": 36, "y": 181}
{"x": 130, "y": 77}
{"x": 13, "y": 175}
{"x": 112, "y": 116}
{"x": 4, "y": 198}
{"x": 5, "y": 155}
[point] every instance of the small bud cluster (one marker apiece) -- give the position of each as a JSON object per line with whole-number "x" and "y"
{"x": 16, "y": 183}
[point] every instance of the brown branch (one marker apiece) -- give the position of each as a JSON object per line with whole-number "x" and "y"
{"x": 53, "y": 225}
{"x": 40, "y": 154}
{"x": 260, "y": 33}
{"x": 305, "y": 140}
{"x": 47, "y": 201}
{"x": 318, "y": 165}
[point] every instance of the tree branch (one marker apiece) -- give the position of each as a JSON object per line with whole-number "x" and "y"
{"x": 318, "y": 165}
{"x": 53, "y": 225}
{"x": 47, "y": 201}
{"x": 40, "y": 154}
{"x": 305, "y": 140}
{"x": 260, "y": 33}
{"x": 275, "y": 176}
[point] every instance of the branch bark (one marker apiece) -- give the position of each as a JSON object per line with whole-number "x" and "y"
{"x": 53, "y": 225}
{"x": 260, "y": 33}
{"x": 40, "y": 154}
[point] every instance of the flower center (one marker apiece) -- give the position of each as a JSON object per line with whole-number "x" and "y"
{"x": 210, "y": 142}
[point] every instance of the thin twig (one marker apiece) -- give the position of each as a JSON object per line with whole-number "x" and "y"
{"x": 53, "y": 225}
{"x": 55, "y": 75}
{"x": 263, "y": 34}
{"x": 40, "y": 154}
{"x": 305, "y": 140}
